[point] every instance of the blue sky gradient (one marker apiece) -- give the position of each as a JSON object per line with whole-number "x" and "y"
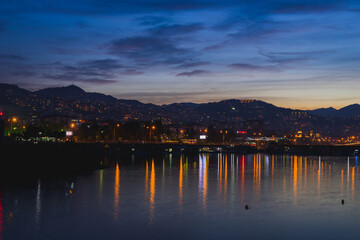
{"x": 300, "y": 54}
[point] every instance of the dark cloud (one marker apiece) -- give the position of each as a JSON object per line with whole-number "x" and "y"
{"x": 308, "y": 7}
{"x": 252, "y": 67}
{"x": 12, "y": 57}
{"x": 101, "y": 64}
{"x": 158, "y": 46}
{"x": 303, "y": 53}
{"x": 100, "y": 71}
{"x": 192, "y": 73}
{"x": 23, "y": 73}
{"x": 131, "y": 72}
{"x": 82, "y": 24}
{"x": 258, "y": 30}
{"x": 283, "y": 58}
{"x": 76, "y": 78}
{"x": 81, "y": 71}
{"x": 151, "y": 20}
{"x": 149, "y": 50}
{"x": 215, "y": 46}
{"x": 193, "y": 64}
{"x": 176, "y": 29}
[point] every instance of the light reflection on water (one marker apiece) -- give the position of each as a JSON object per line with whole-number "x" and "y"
{"x": 195, "y": 196}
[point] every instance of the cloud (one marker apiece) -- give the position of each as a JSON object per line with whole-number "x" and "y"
{"x": 176, "y": 29}
{"x": 150, "y": 20}
{"x": 192, "y": 73}
{"x": 77, "y": 78}
{"x": 131, "y": 72}
{"x": 160, "y": 45}
{"x": 23, "y": 73}
{"x": 303, "y": 53}
{"x": 252, "y": 67}
{"x": 101, "y": 64}
{"x": 100, "y": 71}
{"x": 81, "y": 71}
{"x": 193, "y": 64}
{"x": 283, "y": 58}
{"x": 149, "y": 50}
{"x": 12, "y": 57}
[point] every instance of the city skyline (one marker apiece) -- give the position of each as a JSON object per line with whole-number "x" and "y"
{"x": 289, "y": 53}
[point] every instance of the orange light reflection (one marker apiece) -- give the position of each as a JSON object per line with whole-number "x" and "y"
{"x": 116, "y": 191}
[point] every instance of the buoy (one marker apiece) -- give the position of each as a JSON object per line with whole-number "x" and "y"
{"x": 342, "y": 202}
{"x": 247, "y": 207}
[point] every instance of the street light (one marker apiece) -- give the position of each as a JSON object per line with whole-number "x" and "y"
{"x": 152, "y": 128}
{"x": 13, "y": 120}
{"x": 117, "y": 125}
{"x": 223, "y": 133}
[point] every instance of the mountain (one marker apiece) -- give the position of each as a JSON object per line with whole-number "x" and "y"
{"x": 12, "y": 90}
{"x": 350, "y": 111}
{"x": 74, "y": 102}
{"x": 324, "y": 111}
{"x": 71, "y": 90}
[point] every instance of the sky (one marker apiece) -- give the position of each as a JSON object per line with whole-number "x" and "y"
{"x": 299, "y": 54}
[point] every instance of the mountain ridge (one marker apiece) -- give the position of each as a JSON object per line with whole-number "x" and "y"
{"x": 74, "y": 102}
{"x": 73, "y": 89}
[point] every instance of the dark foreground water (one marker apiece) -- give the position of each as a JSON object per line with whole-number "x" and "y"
{"x": 191, "y": 197}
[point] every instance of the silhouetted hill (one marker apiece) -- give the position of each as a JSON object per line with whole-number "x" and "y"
{"x": 323, "y": 111}
{"x": 350, "y": 111}
{"x": 12, "y": 90}
{"x": 72, "y": 101}
{"x": 71, "y": 90}
{"x": 345, "y": 112}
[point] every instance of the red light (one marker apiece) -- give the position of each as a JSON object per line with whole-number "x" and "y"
{"x": 241, "y": 132}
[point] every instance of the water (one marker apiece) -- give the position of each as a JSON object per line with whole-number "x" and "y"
{"x": 191, "y": 197}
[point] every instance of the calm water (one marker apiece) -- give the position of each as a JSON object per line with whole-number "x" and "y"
{"x": 192, "y": 197}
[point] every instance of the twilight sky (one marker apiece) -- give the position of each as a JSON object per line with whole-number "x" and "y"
{"x": 302, "y": 54}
